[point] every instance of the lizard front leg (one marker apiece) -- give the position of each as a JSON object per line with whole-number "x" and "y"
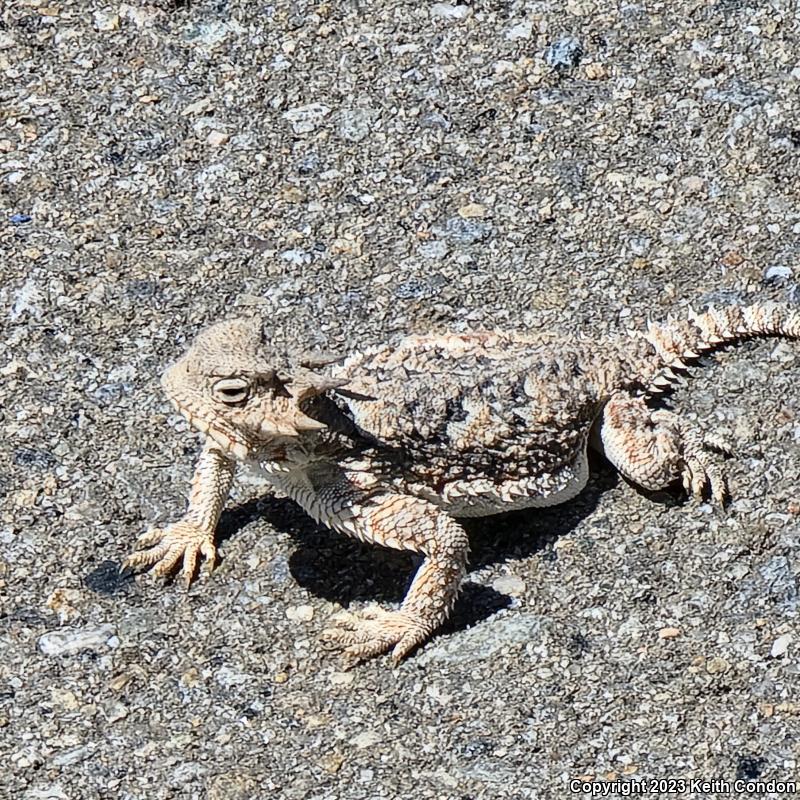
{"x": 192, "y": 535}
{"x": 406, "y": 523}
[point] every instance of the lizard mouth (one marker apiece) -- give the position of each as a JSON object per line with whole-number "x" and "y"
{"x": 223, "y": 436}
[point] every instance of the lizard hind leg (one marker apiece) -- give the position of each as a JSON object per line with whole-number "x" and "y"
{"x": 406, "y": 523}
{"x": 654, "y": 448}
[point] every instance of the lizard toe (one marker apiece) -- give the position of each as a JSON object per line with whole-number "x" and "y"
{"x": 189, "y": 566}
{"x": 149, "y": 538}
{"x": 145, "y": 558}
{"x": 164, "y": 548}
{"x": 374, "y": 632}
{"x": 167, "y": 562}
{"x": 719, "y": 444}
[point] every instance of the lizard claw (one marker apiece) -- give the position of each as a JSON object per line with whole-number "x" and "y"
{"x": 719, "y": 444}
{"x": 700, "y": 471}
{"x": 164, "y": 548}
{"x": 374, "y": 632}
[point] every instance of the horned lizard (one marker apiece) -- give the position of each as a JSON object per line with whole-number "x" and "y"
{"x": 394, "y": 444}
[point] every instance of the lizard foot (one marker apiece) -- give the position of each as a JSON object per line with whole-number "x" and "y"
{"x": 165, "y": 547}
{"x": 699, "y": 470}
{"x": 374, "y": 632}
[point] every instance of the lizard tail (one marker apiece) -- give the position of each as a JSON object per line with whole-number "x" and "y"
{"x": 678, "y": 342}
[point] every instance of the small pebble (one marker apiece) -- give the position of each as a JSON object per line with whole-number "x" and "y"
{"x": 300, "y": 613}
{"x": 217, "y": 138}
{"x": 331, "y": 763}
{"x": 435, "y": 250}
{"x": 717, "y": 665}
{"x": 693, "y": 184}
{"x": 414, "y": 289}
{"x": 449, "y": 11}
{"x": 522, "y": 30}
{"x": 509, "y": 584}
{"x": 466, "y": 231}
{"x": 306, "y": 119}
{"x": 297, "y": 257}
{"x": 355, "y": 124}
{"x": 595, "y": 72}
{"x": 738, "y": 93}
{"x": 341, "y": 678}
{"x": 309, "y": 164}
{"x": 69, "y": 641}
{"x": 198, "y": 107}
{"x": 366, "y": 739}
{"x": 434, "y": 120}
{"x": 279, "y": 569}
{"x": 472, "y": 210}
{"x": 565, "y": 53}
{"x": 64, "y": 698}
{"x": 119, "y": 682}
{"x": 106, "y": 21}
{"x": 230, "y": 678}
{"x": 209, "y": 34}
{"x": 777, "y": 275}
{"x": 116, "y": 712}
{"x": 52, "y": 791}
{"x": 781, "y": 645}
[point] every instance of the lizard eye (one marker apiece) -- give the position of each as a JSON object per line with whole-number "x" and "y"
{"x": 232, "y": 390}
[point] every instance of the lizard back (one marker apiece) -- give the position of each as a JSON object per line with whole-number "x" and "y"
{"x": 478, "y": 422}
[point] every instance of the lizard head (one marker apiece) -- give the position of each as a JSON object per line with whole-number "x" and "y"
{"x": 227, "y": 388}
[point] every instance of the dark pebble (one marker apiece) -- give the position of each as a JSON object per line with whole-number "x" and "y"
{"x": 110, "y": 393}
{"x": 32, "y": 457}
{"x": 309, "y": 164}
{"x": 29, "y": 616}
{"x": 749, "y": 768}
{"x": 142, "y": 289}
{"x": 106, "y": 578}
{"x": 415, "y": 289}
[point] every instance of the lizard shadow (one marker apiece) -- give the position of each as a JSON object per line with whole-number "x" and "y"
{"x": 346, "y": 571}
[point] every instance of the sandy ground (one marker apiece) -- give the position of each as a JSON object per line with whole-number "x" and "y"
{"x": 351, "y": 171}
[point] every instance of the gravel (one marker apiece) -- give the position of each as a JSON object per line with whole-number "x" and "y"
{"x": 349, "y": 172}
